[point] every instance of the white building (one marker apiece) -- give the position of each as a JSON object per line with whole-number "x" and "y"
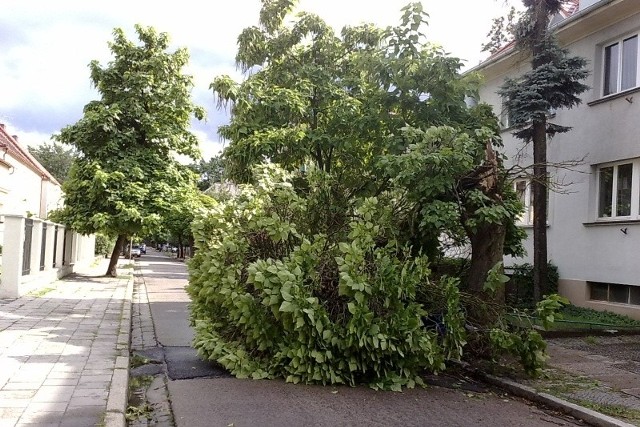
{"x": 35, "y": 251}
{"x": 594, "y": 218}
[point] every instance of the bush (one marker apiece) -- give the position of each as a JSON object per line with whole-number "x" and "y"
{"x": 270, "y": 300}
{"x": 519, "y": 288}
{"x": 104, "y": 245}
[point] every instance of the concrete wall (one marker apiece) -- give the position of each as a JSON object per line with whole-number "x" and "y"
{"x": 59, "y": 260}
{"x": 584, "y": 247}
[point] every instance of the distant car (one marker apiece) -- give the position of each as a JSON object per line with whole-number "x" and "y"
{"x": 174, "y": 249}
{"x": 135, "y": 251}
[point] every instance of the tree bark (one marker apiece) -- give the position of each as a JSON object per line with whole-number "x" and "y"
{"x": 486, "y": 238}
{"x": 540, "y": 178}
{"x": 113, "y": 262}
{"x": 539, "y": 187}
{"x": 487, "y": 249}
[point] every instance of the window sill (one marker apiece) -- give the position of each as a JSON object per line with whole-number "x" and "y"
{"x": 612, "y": 222}
{"x": 521, "y": 225}
{"x": 614, "y": 96}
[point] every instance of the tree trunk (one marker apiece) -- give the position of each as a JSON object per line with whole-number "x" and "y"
{"x": 113, "y": 262}
{"x": 540, "y": 178}
{"x": 487, "y": 249}
{"x": 487, "y": 238}
{"x": 539, "y": 187}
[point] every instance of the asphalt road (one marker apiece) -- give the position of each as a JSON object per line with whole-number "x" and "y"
{"x": 203, "y": 395}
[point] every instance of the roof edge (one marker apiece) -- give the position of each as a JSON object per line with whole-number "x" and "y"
{"x": 511, "y": 47}
{"x": 24, "y": 157}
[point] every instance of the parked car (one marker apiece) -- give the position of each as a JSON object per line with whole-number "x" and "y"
{"x": 135, "y": 251}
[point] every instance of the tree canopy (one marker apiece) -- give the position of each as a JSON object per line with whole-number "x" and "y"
{"x": 335, "y": 101}
{"x": 126, "y": 174}
{"x": 209, "y": 171}
{"x": 55, "y": 158}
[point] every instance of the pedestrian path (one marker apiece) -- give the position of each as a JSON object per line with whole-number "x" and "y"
{"x": 63, "y": 350}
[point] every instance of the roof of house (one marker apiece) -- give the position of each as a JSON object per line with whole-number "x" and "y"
{"x": 10, "y": 145}
{"x": 567, "y": 9}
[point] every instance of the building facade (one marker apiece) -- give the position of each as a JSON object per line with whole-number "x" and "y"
{"x": 594, "y": 207}
{"x": 34, "y": 251}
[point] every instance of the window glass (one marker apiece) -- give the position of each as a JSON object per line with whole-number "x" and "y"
{"x": 634, "y": 295}
{"x": 629, "y": 62}
{"x": 623, "y": 193}
{"x": 524, "y": 192}
{"x": 521, "y": 192}
{"x": 605, "y": 192}
{"x": 599, "y": 291}
{"x": 619, "y": 293}
{"x": 611, "y": 69}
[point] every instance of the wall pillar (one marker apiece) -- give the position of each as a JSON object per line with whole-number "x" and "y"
{"x": 59, "y": 246}
{"x": 12, "y": 247}
{"x": 48, "y": 250}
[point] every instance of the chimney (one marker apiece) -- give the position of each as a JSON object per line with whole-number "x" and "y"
{"x": 15, "y": 137}
{"x": 2, "y": 126}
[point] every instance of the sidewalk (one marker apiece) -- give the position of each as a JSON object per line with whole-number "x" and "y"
{"x": 596, "y": 379}
{"x": 64, "y": 352}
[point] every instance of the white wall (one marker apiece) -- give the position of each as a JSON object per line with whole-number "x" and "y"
{"x": 21, "y": 190}
{"x": 602, "y": 132}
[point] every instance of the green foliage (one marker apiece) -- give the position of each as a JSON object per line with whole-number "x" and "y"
{"x": 555, "y": 83}
{"x": 502, "y": 31}
{"x": 521, "y": 340}
{"x": 55, "y": 158}
{"x": 178, "y": 218}
{"x": 104, "y": 244}
{"x": 209, "y": 172}
{"x": 126, "y": 175}
{"x": 589, "y": 315}
{"x": 318, "y": 271}
{"x": 270, "y": 300}
{"x": 336, "y": 102}
{"x": 495, "y": 278}
{"x": 520, "y": 285}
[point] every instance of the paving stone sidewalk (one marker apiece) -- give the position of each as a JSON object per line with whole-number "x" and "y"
{"x": 64, "y": 351}
{"x": 600, "y": 373}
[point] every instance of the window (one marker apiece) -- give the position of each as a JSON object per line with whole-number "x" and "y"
{"x": 620, "y": 66}
{"x": 506, "y": 118}
{"x": 522, "y": 187}
{"x": 614, "y": 292}
{"x": 618, "y": 190}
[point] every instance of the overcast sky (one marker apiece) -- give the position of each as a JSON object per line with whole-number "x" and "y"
{"x": 46, "y": 46}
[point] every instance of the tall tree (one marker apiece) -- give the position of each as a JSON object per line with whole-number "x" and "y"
{"x": 178, "y": 220}
{"x": 343, "y": 103}
{"x": 126, "y": 175}
{"x": 209, "y": 171}
{"x": 55, "y": 158}
{"x": 554, "y": 82}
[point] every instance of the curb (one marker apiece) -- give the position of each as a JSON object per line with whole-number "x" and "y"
{"x": 580, "y": 412}
{"x": 119, "y": 390}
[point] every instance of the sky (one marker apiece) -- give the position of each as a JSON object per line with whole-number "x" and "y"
{"x": 46, "y": 46}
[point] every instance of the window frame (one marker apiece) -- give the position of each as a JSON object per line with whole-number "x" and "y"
{"x": 619, "y": 42}
{"x": 634, "y": 211}
{"x": 611, "y": 293}
{"x": 526, "y": 217}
